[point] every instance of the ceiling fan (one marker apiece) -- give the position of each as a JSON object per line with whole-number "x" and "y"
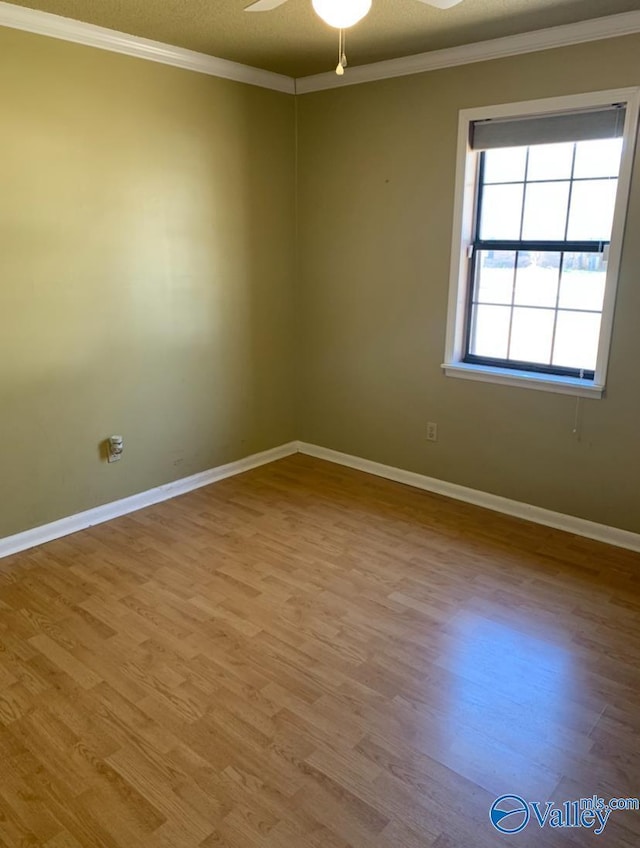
{"x": 341, "y": 14}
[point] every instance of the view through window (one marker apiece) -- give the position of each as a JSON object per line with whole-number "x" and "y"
{"x": 543, "y": 226}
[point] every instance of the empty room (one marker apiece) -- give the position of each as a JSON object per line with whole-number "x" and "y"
{"x": 320, "y": 424}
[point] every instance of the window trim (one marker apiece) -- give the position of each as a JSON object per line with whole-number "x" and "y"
{"x": 465, "y": 210}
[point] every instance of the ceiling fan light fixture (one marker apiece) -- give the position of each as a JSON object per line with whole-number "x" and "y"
{"x": 341, "y": 14}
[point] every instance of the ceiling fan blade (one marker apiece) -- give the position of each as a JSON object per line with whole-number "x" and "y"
{"x": 264, "y": 5}
{"x": 441, "y": 4}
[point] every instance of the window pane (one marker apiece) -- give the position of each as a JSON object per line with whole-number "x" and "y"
{"x": 577, "y": 336}
{"x": 592, "y": 206}
{"x": 490, "y": 331}
{"x": 550, "y": 161}
{"x": 537, "y": 279}
{"x": 545, "y": 211}
{"x": 598, "y": 158}
{"x": 495, "y": 276}
{"x": 505, "y": 165}
{"x": 501, "y": 212}
{"x": 532, "y": 335}
{"x": 583, "y": 280}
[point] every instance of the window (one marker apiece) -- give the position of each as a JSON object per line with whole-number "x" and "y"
{"x": 542, "y": 196}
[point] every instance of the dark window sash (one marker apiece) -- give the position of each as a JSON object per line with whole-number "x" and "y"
{"x": 515, "y": 365}
{"x": 527, "y": 246}
{"x": 515, "y": 246}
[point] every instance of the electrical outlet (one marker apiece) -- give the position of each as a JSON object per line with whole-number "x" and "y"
{"x": 115, "y": 447}
{"x": 432, "y": 432}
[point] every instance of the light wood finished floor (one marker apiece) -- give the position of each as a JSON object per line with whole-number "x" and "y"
{"x": 309, "y": 657}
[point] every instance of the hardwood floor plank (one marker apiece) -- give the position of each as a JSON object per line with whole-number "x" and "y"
{"x": 305, "y": 656}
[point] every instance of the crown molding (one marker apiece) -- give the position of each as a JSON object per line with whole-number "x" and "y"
{"x": 89, "y": 35}
{"x": 66, "y": 29}
{"x": 611, "y": 26}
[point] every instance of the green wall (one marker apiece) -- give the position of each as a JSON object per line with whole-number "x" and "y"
{"x": 377, "y": 167}
{"x": 148, "y": 283}
{"x": 146, "y": 274}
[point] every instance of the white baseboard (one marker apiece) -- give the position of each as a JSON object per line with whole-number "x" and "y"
{"x": 538, "y": 515}
{"x": 82, "y": 520}
{"x": 65, "y": 526}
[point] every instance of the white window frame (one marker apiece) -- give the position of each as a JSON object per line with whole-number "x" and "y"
{"x": 463, "y": 229}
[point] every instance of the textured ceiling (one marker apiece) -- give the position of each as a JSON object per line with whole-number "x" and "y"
{"x": 294, "y": 41}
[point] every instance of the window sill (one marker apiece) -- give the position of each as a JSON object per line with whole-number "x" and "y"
{"x": 524, "y": 379}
